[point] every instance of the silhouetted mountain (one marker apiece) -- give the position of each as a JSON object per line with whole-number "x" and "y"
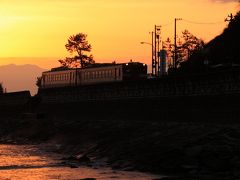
{"x": 223, "y": 49}
{"x": 20, "y": 77}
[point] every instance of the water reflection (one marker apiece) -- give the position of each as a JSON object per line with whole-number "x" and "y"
{"x": 29, "y": 163}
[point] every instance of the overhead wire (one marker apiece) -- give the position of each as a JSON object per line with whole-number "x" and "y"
{"x": 201, "y": 23}
{"x": 167, "y": 24}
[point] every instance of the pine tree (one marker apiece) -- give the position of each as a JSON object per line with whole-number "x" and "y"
{"x": 79, "y": 45}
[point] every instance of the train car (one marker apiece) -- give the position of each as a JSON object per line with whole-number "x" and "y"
{"x": 58, "y": 77}
{"x": 94, "y": 74}
{"x": 100, "y": 74}
{"x": 134, "y": 71}
{"x": 63, "y": 77}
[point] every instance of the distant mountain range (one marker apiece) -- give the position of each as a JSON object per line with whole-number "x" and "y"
{"x": 20, "y": 77}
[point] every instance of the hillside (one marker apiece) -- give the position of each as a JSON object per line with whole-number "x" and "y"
{"x": 223, "y": 49}
{"x": 24, "y": 77}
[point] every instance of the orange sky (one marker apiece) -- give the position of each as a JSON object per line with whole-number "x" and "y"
{"x": 115, "y": 28}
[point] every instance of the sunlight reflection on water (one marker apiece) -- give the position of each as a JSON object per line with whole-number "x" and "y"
{"x": 28, "y": 163}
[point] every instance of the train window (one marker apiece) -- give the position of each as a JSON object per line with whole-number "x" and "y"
{"x": 91, "y": 75}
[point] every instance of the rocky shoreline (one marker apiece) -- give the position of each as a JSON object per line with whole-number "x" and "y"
{"x": 183, "y": 150}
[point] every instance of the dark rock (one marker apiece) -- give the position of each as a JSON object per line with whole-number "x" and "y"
{"x": 83, "y": 158}
{"x": 73, "y": 166}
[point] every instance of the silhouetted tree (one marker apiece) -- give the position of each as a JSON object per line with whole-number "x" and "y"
{"x": 1, "y": 89}
{"x": 78, "y": 44}
{"x": 190, "y": 44}
{"x": 39, "y": 82}
{"x": 189, "y": 47}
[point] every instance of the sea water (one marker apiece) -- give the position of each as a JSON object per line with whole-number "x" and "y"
{"x": 28, "y": 162}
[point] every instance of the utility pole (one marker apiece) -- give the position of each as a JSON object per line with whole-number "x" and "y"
{"x": 153, "y": 63}
{"x": 175, "y": 43}
{"x": 229, "y": 18}
{"x": 155, "y": 51}
{"x": 157, "y": 43}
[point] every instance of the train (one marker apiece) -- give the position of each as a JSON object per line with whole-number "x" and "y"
{"x": 93, "y": 74}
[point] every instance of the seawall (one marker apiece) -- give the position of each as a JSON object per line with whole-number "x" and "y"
{"x": 207, "y": 97}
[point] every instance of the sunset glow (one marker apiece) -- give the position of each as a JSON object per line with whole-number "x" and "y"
{"x": 115, "y": 28}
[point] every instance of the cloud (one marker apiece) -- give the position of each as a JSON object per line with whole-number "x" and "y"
{"x": 225, "y": 1}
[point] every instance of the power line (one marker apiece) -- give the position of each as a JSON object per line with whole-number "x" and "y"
{"x": 167, "y": 24}
{"x": 200, "y": 23}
